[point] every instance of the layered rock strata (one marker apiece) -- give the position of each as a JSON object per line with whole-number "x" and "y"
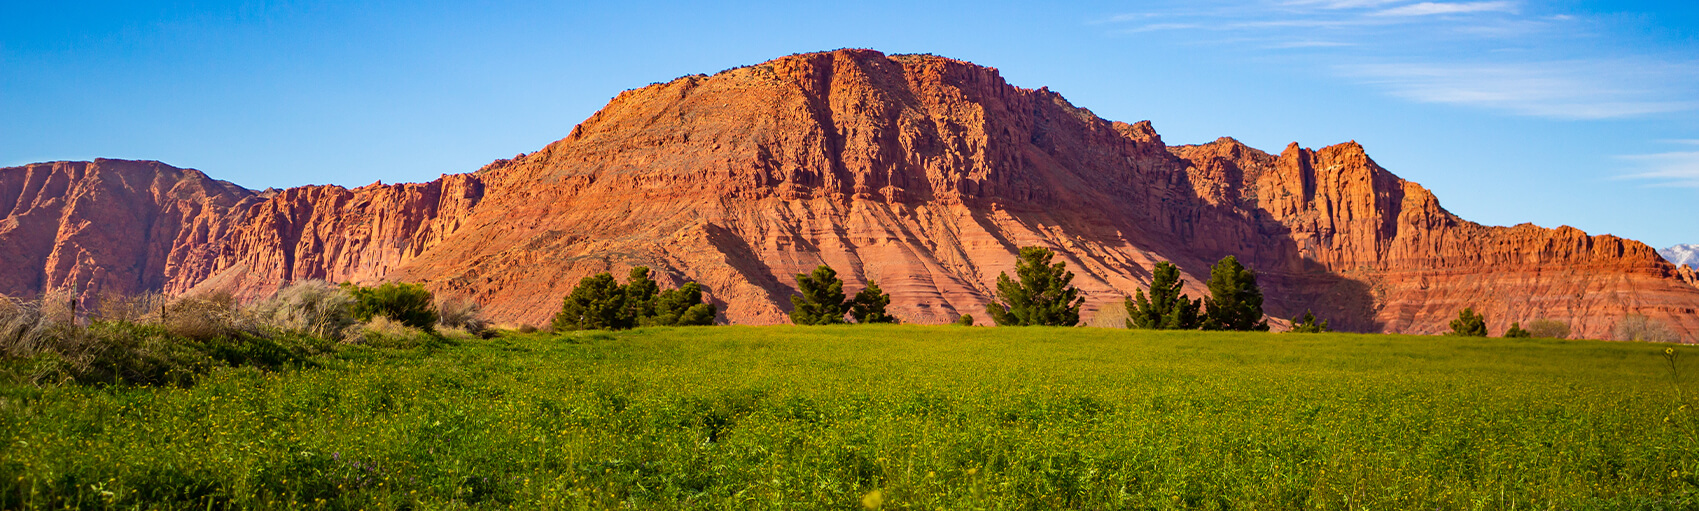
{"x": 923, "y": 173}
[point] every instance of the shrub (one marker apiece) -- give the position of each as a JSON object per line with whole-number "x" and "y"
{"x": 869, "y": 304}
{"x": 1043, "y": 294}
{"x": 821, "y": 299}
{"x": 384, "y": 332}
{"x": 26, "y": 329}
{"x": 1166, "y": 308}
{"x": 308, "y": 307}
{"x": 1548, "y": 328}
{"x": 1234, "y": 301}
{"x": 1468, "y": 324}
{"x": 464, "y": 315}
{"x": 133, "y": 309}
{"x": 965, "y": 320}
{"x": 409, "y": 304}
{"x": 1640, "y": 328}
{"x": 1308, "y": 324}
{"x": 189, "y": 337}
{"x": 1516, "y": 331}
{"x": 203, "y": 318}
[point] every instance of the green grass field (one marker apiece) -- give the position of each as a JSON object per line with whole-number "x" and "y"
{"x": 910, "y": 417}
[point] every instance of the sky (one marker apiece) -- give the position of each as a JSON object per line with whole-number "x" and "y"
{"x": 1557, "y": 113}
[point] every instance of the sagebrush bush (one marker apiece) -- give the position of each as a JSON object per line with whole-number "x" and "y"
{"x": 464, "y": 315}
{"x": 1548, "y": 328}
{"x": 204, "y": 318}
{"x": 1636, "y": 327}
{"x": 384, "y": 332}
{"x": 140, "y": 308}
{"x": 309, "y": 307}
{"x": 25, "y": 329}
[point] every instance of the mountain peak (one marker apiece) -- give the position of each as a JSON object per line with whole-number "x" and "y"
{"x": 1682, "y": 254}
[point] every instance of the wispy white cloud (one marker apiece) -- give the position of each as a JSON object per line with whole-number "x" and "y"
{"x": 1310, "y": 44}
{"x": 1340, "y": 4}
{"x": 1561, "y": 90}
{"x": 1160, "y": 26}
{"x": 1433, "y": 8}
{"x": 1126, "y": 17}
{"x": 1507, "y": 55}
{"x": 1679, "y": 168}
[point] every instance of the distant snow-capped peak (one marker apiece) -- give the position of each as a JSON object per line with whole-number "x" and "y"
{"x": 1682, "y": 254}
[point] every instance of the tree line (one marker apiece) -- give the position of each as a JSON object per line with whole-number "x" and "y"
{"x": 1041, "y": 293}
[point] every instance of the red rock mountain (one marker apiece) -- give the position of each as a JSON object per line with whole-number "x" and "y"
{"x": 920, "y": 172}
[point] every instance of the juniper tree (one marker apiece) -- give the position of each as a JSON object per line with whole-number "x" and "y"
{"x": 1166, "y": 308}
{"x": 1308, "y": 324}
{"x": 1516, "y": 331}
{"x": 1468, "y": 324}
{"x": 1234, "y": 301}
{"x": 597, "y": 303}
{"x": 1042, "y": 296}
{"x": 821, "y": 299}
{"x": 682, "y": 307}
{"x": 640, "y": 293}
{"x": 869, "y": 305}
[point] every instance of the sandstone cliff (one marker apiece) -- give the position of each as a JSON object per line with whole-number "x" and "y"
{"x": 122, "y": 226}
{"x": 921, "y": 172}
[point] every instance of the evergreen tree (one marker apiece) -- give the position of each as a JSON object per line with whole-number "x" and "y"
{"x": 1308, "y": 324}
{"x": 1517, "y": 331}
{"x": 597, "y": 303}
{"x": 821, "y": 301}
{"x": 682, "y": 307}
{"x": 1043, "y": 296}
{"x": 1166, "y": 308}
{"x": 1235, "y": 301}
{"x": 1468, "y": 324}
{"x": 640, "y": 293}
{"x": 965, "y": 320}
{"x": 869, "y": 305}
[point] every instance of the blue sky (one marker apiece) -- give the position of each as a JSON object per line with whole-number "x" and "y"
{"x": 1558, "y": 113}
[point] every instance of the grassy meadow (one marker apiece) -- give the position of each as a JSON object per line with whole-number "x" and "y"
{"x": 897, "y": 417}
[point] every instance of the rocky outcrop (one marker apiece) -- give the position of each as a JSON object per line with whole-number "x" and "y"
{"x": 1419, "y": 264}
{"x": 335, "y": 234}
{"x": 925, "y": 174}
{"x": 111, "y": 226}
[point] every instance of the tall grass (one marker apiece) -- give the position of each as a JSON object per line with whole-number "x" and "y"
{"x": 909, "y": 417}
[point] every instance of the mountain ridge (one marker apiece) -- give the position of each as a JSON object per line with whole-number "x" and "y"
{"x": 1686, "y": 254}
{"x": 921, "y": 172}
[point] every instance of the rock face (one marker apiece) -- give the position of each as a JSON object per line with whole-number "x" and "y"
{"x": 923, "y": 173}
{"x": 112, "y": 225}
